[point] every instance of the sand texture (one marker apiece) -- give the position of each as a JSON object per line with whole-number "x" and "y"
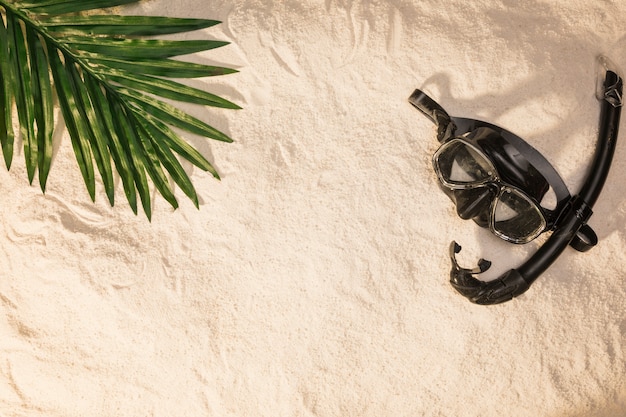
{"x": 313, "y": 280}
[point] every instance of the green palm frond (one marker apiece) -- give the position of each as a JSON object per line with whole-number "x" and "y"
{"x": 109, "y": 79}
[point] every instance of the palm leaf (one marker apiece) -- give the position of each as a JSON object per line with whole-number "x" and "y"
{"x": 131, "y": 48}
{"x": 23, "y": 94}
{"x": 110, "y": 83}
{"x": 108, "y": 25}
{"x": 160, "y": 67}
{"x": 67, "y": 6}
{"x": 6, "y": 97}
{"x": 42, "y": 98}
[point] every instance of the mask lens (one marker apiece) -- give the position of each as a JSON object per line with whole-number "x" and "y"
{"x": 460, "y": 165}
{"x": 516, "y": 217}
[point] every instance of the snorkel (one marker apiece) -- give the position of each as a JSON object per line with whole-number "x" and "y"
{"x": 570, "y": 226}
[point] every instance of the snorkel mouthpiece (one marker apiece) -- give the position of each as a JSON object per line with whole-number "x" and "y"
{"x": 506, "y": 287}
{"x": 567, "y": 223}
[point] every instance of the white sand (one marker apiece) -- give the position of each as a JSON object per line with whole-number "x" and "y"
{"x": 313, "y": 279}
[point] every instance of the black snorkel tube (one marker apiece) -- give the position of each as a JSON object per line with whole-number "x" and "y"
{"x": 572, "y": 220}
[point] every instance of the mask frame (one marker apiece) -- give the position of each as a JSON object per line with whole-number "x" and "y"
{"x": 472, "y": 181}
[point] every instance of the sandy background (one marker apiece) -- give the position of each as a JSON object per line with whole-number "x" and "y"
{"x": 313, "y": 279}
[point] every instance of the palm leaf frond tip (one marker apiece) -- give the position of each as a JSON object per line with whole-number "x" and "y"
{"x": 109, "y": 81}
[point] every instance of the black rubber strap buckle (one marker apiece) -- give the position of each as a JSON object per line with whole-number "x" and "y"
{"x": 585, "y": 238}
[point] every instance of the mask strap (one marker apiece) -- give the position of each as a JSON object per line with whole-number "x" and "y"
{"x": 431, "y": 109}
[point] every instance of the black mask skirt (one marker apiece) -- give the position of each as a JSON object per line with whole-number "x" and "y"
{"x": 502, "y": 183}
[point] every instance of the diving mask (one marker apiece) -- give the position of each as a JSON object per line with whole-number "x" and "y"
{"x": 502, "y": 183}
